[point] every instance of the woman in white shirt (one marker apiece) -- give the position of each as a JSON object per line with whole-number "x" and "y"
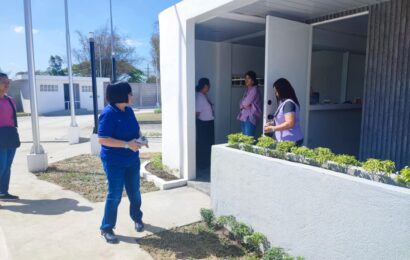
{"x": 205, "y": 136}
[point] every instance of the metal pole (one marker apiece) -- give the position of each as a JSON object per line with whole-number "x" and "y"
{"x": 156, "y": 82}
{"x": 94, "y": 82}
{"x": 113, "y": 63}
{"x": 100, "y": 60}
{"x": 36, "y": 149}
{"x": 69, "y": 64}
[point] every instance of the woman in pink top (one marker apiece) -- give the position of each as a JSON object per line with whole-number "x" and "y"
{"x": 8, "y": 125}
{"x": 250, "y": 105}
{"x": 205, "y": 136}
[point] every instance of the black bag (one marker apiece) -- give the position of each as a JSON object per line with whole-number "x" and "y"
{"x": 9, "y": 137}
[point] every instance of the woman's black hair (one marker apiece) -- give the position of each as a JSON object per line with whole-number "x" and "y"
{"x": 201, "y": 84}
{"x": 3, "y": 75}
{"x": 252, "y": 75}
{"x": 285, "y": 90}
{"x": 118, "y": 92}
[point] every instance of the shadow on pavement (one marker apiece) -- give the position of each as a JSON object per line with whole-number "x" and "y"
{"x": 44, "y": 207}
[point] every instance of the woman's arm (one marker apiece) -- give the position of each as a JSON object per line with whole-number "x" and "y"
{"x": 248, "y": 100}
{"x": 115, "y": 143}
{"x": 288, "y": 124}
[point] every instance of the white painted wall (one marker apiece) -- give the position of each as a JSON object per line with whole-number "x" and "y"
{"x": 309, "y": 211}
{"x": 335, "y": 40}
{"x": 288, "y": 55}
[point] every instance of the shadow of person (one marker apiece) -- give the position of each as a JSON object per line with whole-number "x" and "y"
{"x": 148, "y": 230}
{"x": 45, "y": 207}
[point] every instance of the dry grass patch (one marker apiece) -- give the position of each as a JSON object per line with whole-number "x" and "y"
{"x": 195, "y": 241}
{"x": 85, "y": 175}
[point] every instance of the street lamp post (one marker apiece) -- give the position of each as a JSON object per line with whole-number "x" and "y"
{"x": 113, "y": 62}
{"x": 37, "y": 159}
{"x": 74, "y": 130}
{"x": 95, "y": 146}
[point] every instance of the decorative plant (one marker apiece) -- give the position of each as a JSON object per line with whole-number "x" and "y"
{"x": 225, "y": 220}
{"x": 322, "y": 154}
{"x": 404, "y": 176}
{"x": 156, "y": 161}
{"x": 239, "y": 138}
{"x": 240, "y": 230}
{"x": 304, "y": 151}
{"x": 277, "y": 253}
{"x": 285, "y": 147}
{"x": 374, "y": 165}
{"x": 345, "y": 160}
{"x": 208, "y": 217}
{"x": 255, "y": 241}
{"x": 266, "y": 142}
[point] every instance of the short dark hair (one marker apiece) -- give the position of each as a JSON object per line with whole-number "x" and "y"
{"x": 285, "y": 90}
{"x": 118, "y": 92}
{"x": 252, "y": 75}
{"x": 202, "y": 83}
{"x": 3, "y": 75}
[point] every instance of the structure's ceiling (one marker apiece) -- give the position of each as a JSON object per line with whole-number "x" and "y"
{"x": 302, "y": 10}
{"x": 356, "y": 26}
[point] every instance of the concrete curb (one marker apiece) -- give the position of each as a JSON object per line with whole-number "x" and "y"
{"x": 160, "y": 183}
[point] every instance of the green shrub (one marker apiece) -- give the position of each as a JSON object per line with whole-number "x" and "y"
{"x": 322, "y": 155}
{"x": 240, "y": 230}
{"x": 225, "y": 220}
{"x": 240, "y": 138}
{"x": 374, "y": 165}
{"x": 277, "y": 253}
{"x": 156, "y": 161}
{"x": 158, "y": 110}
{"x": 344, "y": 159}
{"x": 404, "y": 176}
{"x": 304, "y": 151}
{"x": 208, "y": 217}
{"x": 254, "y": 241}
{"x": 285, "y": 146}
{"x": 266, "y": 142}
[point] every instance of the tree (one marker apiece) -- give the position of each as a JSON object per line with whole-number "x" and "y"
{"x": 155, "y": 52}
{"x": 134, "y": 76}
{"x": 55, "y": 66}
{"x": 124, "y": 53}
{"x": 152, "y": 79}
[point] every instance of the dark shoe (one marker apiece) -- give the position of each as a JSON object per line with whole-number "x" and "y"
{"x": 110, "y": 237}
{"x": 8, "y": 197}
{"x": 139, "y": 226}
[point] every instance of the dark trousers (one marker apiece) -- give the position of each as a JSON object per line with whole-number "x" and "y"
{"x": 6, "y": 159}
{"x": 205, "y": 138}
{"x": 118, "y": 177}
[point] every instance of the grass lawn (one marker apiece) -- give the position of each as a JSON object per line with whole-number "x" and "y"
{"x": 148, "y": 117}
{"x": 84, "y": 174}
{"x": 195, "y": 241}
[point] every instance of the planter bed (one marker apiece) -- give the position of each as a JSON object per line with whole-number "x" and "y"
{"x": 161, "y": 179}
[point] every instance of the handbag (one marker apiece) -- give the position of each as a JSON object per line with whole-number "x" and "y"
{"x": 9, "y": 136}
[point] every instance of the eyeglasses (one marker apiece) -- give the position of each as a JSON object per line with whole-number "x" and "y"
{"x": 5, "y": 81}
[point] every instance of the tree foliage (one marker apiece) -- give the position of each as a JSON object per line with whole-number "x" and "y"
{"x": 55, "y": 67}
{"x": 155, "y": 48}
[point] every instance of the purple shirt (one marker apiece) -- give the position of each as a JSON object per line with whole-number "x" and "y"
{"x": 250, "y": 106}
{"x": 294, "y": 134}
{"x": 6, "y": 112}
{"x": 204, "y": 107}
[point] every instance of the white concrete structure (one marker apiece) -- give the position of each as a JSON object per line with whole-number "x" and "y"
{"x": 53, "y": 93}
{"x": 222, "y": 39}
{"x": 310, "y": 211}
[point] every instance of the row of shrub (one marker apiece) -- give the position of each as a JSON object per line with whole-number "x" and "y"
{"x": 255, "y": 242}
{"x": 318, "y": 156}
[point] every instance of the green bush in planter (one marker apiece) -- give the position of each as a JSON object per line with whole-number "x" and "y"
{"x": 304, "y": 151}
{"x": 374, "y": 165}
{"x": 208, "y": 217}
{"x": 240, "y": 230}
{"x": 277, "y": 253}
{"x": 323, "y": 154}
{"x": 404, "y": 176}
{"x": 255, "y": 241}
{"x": 266, "y": 142}
{"x": 345, "y": 160}
{"x": 156, "y": 161}
{"x": 285, "y": 146}
{"x": 225, "y": 221}
{"x": 239, "y": 138}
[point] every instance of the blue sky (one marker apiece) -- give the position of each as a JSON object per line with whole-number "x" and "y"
{"x": 133, "y": 18}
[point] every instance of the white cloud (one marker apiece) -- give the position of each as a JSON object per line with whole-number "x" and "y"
{"x": 133, "y": 43}
{"x": 18, "y": 29}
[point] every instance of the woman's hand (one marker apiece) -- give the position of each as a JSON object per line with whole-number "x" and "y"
{"x": 269, "y": 129}
{"x": 134, "y": 145}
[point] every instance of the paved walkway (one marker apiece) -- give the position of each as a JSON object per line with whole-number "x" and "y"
{"x": 52, "y": 223}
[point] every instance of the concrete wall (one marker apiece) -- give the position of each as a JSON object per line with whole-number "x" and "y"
{"x": 310, "y": 211}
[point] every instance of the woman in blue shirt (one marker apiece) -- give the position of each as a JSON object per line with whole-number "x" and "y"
{"x": 118, "y": 131}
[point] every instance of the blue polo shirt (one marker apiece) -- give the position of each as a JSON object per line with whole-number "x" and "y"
{"x": 120, "y": 125}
